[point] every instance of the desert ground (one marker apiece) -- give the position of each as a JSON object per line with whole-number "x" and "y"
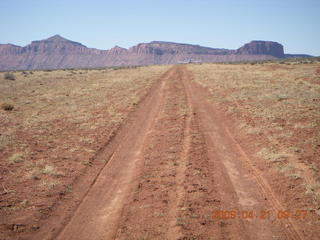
{"x": 188, "y": 152}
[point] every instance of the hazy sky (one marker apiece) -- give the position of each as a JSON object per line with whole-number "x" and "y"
{"x": 222, "y": 24}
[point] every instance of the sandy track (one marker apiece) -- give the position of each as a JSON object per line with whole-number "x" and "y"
{"x": 249, "y": 189}
{"x": 212, "y": 173}
{"x": 98, "y": 213}
{"x": 178, "y": 163}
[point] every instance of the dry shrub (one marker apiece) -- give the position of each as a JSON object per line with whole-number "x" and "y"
{"x": 7, "y": 106}
{"x": 9, "y": 76}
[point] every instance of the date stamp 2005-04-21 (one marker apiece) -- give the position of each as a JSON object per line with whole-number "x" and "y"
{"x": 262, "y": 214}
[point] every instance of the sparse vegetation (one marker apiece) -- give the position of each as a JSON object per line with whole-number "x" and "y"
{"x": 49, "y": 184}
{"x": 9, "y": 76}
{"x": 34, "y": 174}
{"x": 273, "y": 155}
{"x": 50, "y": 170}
{"x": 276, "y": 104}
{"x": 7, "y": 106}
{"x": 16, "y": 158}
{"x": 295, "y": 176}
{"x": 64, "y": 118}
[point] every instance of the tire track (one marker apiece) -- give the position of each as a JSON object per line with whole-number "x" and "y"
{"x": 174, "y": 232}
{"x": 209, "y": 187}
{"x": 97, "y": 215}
{"x": 241, "y": 171}
{"x": 265, "y": 189}
{"x": 176, "y": 164}
{"x": 153, "y": 209}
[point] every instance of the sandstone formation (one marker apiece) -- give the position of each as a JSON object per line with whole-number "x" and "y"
{"x": 58, "y": 52}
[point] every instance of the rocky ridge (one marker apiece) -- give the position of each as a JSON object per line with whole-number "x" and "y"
{"x": 58, "y": 52}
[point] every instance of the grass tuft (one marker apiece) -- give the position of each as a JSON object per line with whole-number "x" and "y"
{"x": 9, "y": 76}
{"x": 49, "y": 184}
{"x": 16, "y": 158}
{"x": 7, "y": 106}
{"x": 50, "y": 170}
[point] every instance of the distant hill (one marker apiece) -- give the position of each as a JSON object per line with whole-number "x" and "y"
{"x": 58, "y": 52}
{"x": 297, "y": 56}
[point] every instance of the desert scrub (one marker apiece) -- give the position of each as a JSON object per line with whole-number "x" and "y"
{"x": 278, "y": 102}
{"x": 7, "y": 106}
{"x": 50, "y": 170}
{"x": 16, "y": 158}
{"x": 49, "y": 184}
{"x": 56, "y": 110}
{"x": 9, "y": 76}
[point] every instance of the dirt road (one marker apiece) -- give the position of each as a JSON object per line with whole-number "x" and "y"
{"x": 175, "y": 166}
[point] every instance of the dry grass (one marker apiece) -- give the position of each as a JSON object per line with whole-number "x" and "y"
{"x": 278, "y": 102}
{"x": 52, "y": 103}
{"x": 273, "y": 155}
{"x": 9, "y": 76}
{"x": 50, "y": 170}
{"x": 61, "y": 119}
{"x": 7, "y": 106}
{"x": 16, "y": 158}
{"x": 49, "y": 184}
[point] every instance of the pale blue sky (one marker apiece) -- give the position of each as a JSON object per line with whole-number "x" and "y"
{"x": 221, "y": 24}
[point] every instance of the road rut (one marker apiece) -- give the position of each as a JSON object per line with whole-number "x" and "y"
{"x": 176, "y": 165}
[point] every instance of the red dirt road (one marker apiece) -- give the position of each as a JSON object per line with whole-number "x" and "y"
{"x": 174, "y": 165}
